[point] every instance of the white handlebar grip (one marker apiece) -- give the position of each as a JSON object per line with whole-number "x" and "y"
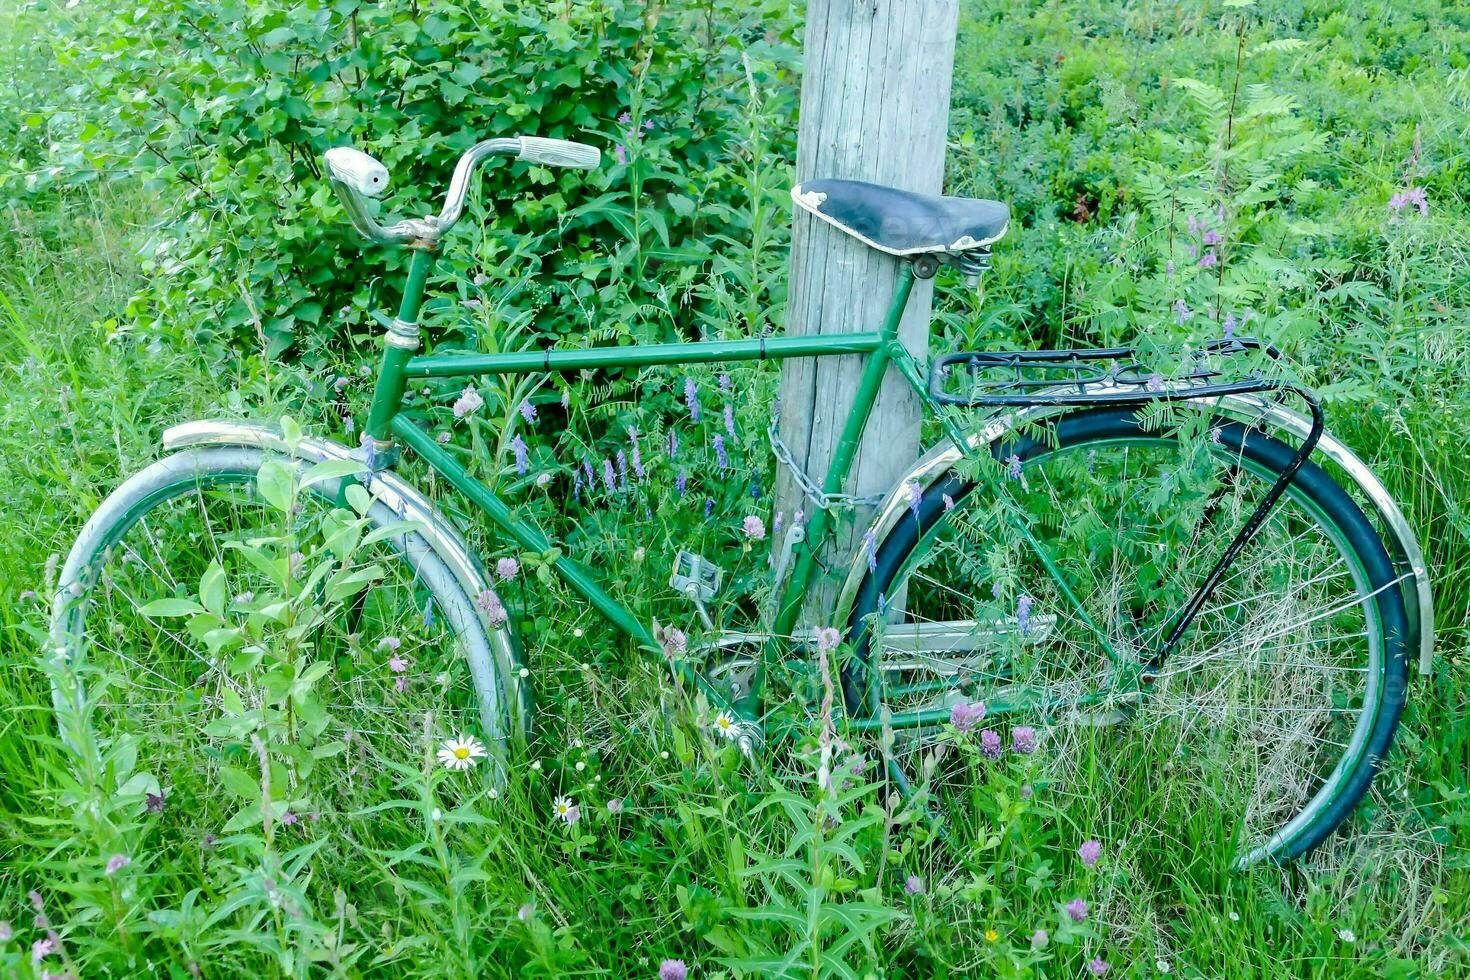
{"x": 357, "y": 170}
{"x": 559, "y": 153}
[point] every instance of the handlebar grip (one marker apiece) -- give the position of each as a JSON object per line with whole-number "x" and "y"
{"x": 357, "y": 170}
{"x": 559, "y": 153}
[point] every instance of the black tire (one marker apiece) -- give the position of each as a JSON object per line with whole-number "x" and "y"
{"x": 1311, "y": 482}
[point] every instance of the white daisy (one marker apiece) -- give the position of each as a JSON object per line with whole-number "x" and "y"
{"x": 566, "y": 810}
{"x": 726, "y": 725}
{"x": 461, "y": 753}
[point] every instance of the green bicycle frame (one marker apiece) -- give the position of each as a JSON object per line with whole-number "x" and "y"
{"x": 400, "y": 363}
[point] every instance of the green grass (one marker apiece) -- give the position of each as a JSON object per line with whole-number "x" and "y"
{"x": 395, "y": 892}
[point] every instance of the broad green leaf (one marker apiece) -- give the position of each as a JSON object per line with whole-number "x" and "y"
{"x": 172, "y": 607}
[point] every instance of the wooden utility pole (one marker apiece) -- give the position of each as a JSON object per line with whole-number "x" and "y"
{"x": 875, "y": 107}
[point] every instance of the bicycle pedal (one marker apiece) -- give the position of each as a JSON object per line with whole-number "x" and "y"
{"x": 696, "y": 578}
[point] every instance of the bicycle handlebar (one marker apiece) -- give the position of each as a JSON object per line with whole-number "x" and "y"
{"x": 356, "y": 176}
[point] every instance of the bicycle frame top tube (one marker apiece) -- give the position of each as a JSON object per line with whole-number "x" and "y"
{"x": 385, "y": 426}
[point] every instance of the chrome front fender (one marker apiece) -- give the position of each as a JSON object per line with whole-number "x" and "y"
{"x": 1250, "y": 409}
{"x": 403, "y": 499}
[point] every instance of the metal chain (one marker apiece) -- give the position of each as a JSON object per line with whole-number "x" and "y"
{"x": 814, "y": 493}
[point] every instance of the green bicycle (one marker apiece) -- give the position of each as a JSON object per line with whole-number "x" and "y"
{"x": 1251, "y": 605}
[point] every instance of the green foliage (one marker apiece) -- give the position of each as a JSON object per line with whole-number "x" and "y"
{"x": 234, "y": 104}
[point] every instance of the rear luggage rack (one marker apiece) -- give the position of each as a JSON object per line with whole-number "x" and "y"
{"x": 1106, "y": 376}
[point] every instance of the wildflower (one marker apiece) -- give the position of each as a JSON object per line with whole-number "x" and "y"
{"x": 467, "y": 402}
{"x": 1212, "y": 237}
{"x": 966, "y": 716}
{"x": 730, "y": 419}
{"x": 621, "y": 153}
{"x": 1209, "y": 260}
{"x": 489, "y": 603}
{"x": 709, "y": 506}
{"x": 1023, "y": 740}
{"x": 725, "y": 725}
{"x": 290, "y": 819}
{"x": 691, "y": 398}
{"x": 525, "y": 912}
{"x": 754, "y": 528}
{"x": 882, "y": 604}
{"x": 1077, "y": 910}
{"x": 671, "y": 638}
{"x": 397, "y": 664}
{"x": 507, "y": 568}
{"x": 389, "y": 643}
{"x": 1414, "y": 195}
{"x": 460, "y": 753}
{"x": 1162, "y": 965}
{"x": 1182, "y": 311}
{"x": 637, "y": 453}
{"x": 625, "y": 119}
{"x": 590, "y": 479}
{"x": 609, "y": 479}
{"x": 991, "y": 935}
{"x": 1098, "y": 966}
{"x": 1347, "y": 935}
{"x": 297, "y": 560}
{"x": 1023, "y": 613}
{"x": 42, "y": 948}
{"x": 7, "y": 932}
{"x": 566, "y": 811}
{"x": 1228, "y": 327}
{"x": 1169, "y": 268}
{"x": 543, "y": 479}
{"x": 518, "y": 446}
{"x": 681, "y": 483}
{"x": 1013, "y": 466}
{"x": 1090, "y": 851}
{"x": 828, "y": 638}
{"x": 615, "y": 806}
{"x": 722, "y": 459}
{"x": 672, "y": 970}
{"x": 672, "y": 445}
{"x": 442, "y": 438}
{"x": 341, "y": 383}
{"x": 622, "y": 459}
{"x": 208, "y": 841}
{"x": 117, "y": 862}
{"x": 990, "y": 744}
{"x": 777, "y": 523}
{"x": 1039, "y": 939}
{"x": 528, "y": 411}
{"x": 870, "y": 545}
{"x": 1194, "y": 224}
{"x": 913, "y": 885}
{"x": 948, "y": 502}
{"x": 916, "y": 496}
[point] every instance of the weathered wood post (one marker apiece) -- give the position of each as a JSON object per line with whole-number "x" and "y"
{"x": 874, "y": 106}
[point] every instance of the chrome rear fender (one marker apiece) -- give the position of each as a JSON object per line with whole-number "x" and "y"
{"x": 1251, "y": 409}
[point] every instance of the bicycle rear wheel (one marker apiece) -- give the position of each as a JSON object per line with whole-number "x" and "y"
{"x": 201, "y": 616}
{"x": 1041, "y": 586}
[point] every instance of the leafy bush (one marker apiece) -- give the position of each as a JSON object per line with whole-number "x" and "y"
{"x": 235, "y": 103}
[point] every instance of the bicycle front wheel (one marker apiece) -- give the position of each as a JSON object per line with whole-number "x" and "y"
{"x": 221, "y": 606}
{"x": 1041, "y": 587}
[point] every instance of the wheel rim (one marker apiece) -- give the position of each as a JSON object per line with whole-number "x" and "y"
{"x": 1336, "y": 717}
{"x": 391, "y": 682}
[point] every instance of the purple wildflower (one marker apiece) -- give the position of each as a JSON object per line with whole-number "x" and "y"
{"x": 1077, "y": 910}
{"x": 397, "y": 664}
{"x": 507, "y": 568}
{"x": 1039, "y": 939}
{"x": 673, "y": 445}
{"x": 518, "y": 446}
{"x": 1228, "y": 327}
{"x": 7, "y": 932}
{"x": 153, "y": 802}
{"x": 725, "y": 383}
{"x": 1089, "y": 852}
{"x": 42, "y": 948}
{"x": 730, "y": 419}
{"x": 625, "y": 118}
{"x": 443, "y": 438}
{"x": 117, "y": 862}
{"x": 620, "y": 152}
{"x": 1168, "y": 271}
{"x": 637, "y": 453}
{"x": 870, "y": 545}
{"x": 615, "y": 806}
{"x": 828, "y": 638}
{"x": 673, "y": 970}
{"x": 990, "y": 744}
{"x": 672, "y": 639}
{"x": 1023, "y": 613}
{"x": 525, "y": 912}
{"x": 1416, "y": 196}
{"x": 609, "y": 478}
{"x": 948, "y": 501}
{"x": 1098, "y": 966}
{"x": 966, "y": 716}
{"x": 913, "y": 885}
{"x": 528, "y": 411}
{"x": 754, "y": 528}
{"x": 691, "y": 398}
{"x": 1023, "y": 740}
{"x": 1209, "y": 259}
{"x": 588, "y": 478}
{"x": 722, "y": 459}
{"x": 468, "y": 401}
{"x": 1212, "y": 237}
{"x": 290, "y": 819}
{"x": 622, "y": 470}
{"x": 1194, "y": 224}
{"x": 778, "y": 521}
{"x": 1155, "y": 382}
{"x": 709, "y": 506}
{"x": 1183, "y": 312}
{"x": 1013, "y": 466}
{"x": 489, "y": 603}
{"x": 681, "y": 483}
{"x": 916, "y": 496}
